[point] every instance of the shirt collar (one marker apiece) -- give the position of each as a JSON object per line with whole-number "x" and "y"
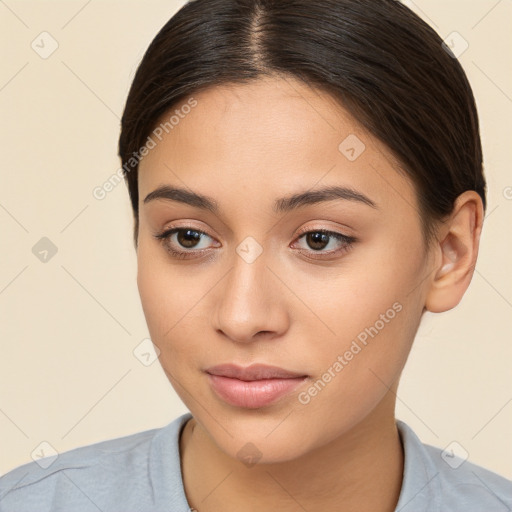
{"x": 420, "y": 486}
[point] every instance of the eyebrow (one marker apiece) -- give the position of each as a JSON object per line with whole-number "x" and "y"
{"x": 282, "y": 205}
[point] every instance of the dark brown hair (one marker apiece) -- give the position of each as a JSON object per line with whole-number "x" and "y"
{"x": 385, "y": 65}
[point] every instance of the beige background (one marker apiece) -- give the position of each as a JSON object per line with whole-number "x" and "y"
{"x": 69, "y": 326}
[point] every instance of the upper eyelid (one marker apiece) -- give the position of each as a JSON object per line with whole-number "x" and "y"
{"x": 325, "y": 230}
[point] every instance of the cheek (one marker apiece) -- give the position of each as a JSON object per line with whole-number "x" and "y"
{"x": 171, "y": 301}
{"x": 354, "y": 373}
{"x": 349, "y": 300}
{"x": 374, "y": 312}
{"x": 161, "y": 296}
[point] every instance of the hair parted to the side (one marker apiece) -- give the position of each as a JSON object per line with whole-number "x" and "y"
{"x": 377, "y": 58}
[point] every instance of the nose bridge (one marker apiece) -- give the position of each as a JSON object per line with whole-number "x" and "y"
{"x": 249, "y": 301}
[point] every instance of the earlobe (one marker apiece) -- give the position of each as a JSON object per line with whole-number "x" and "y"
{"x": 457, "y": 253}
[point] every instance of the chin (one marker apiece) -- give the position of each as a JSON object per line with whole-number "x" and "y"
{"x": 258, "y": 436}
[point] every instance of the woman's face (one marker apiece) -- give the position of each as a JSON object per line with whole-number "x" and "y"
{"x": 340, "y": 313}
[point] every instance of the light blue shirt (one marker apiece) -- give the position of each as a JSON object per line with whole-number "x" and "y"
{"x": 142, "y": 472}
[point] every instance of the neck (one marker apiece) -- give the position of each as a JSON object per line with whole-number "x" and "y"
{"x": 358, "y": 471}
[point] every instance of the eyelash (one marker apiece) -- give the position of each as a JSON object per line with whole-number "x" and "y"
{"x": 347, "y": 242}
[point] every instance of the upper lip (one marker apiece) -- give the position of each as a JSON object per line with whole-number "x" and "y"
{"x": 253, "y": 372}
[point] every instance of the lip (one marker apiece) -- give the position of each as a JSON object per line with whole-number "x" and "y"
{"x": 253, "y": 372}
{"x": 254, "y": 386}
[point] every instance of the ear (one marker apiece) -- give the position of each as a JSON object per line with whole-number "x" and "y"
{"x": 455, "y": 253}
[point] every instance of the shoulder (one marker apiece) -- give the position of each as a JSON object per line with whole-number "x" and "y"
{"x": 108, "y": 475}
{"x": 439, "y": 480}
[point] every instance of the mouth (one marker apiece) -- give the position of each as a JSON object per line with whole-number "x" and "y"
{"x": 254, "y": 386}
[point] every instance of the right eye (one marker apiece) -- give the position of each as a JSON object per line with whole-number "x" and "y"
{"x": 176, "y": 239}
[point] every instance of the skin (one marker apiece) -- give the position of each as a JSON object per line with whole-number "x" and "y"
{"x": 245, "y": 146}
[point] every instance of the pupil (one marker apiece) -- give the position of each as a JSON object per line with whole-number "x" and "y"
{"x": 317, "y": 238}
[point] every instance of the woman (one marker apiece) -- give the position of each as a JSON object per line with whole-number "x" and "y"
{"x": 306, "y": 181}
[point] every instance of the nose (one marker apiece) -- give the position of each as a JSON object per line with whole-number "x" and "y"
{"x": 250, "y": 303}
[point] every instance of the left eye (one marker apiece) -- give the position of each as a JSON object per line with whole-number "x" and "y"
{"x": 320, "y": 239}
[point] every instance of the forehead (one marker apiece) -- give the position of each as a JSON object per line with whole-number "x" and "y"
{"x": 265, "y": 139}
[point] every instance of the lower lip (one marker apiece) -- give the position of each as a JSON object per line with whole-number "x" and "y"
{"x": 252, "y": 394}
